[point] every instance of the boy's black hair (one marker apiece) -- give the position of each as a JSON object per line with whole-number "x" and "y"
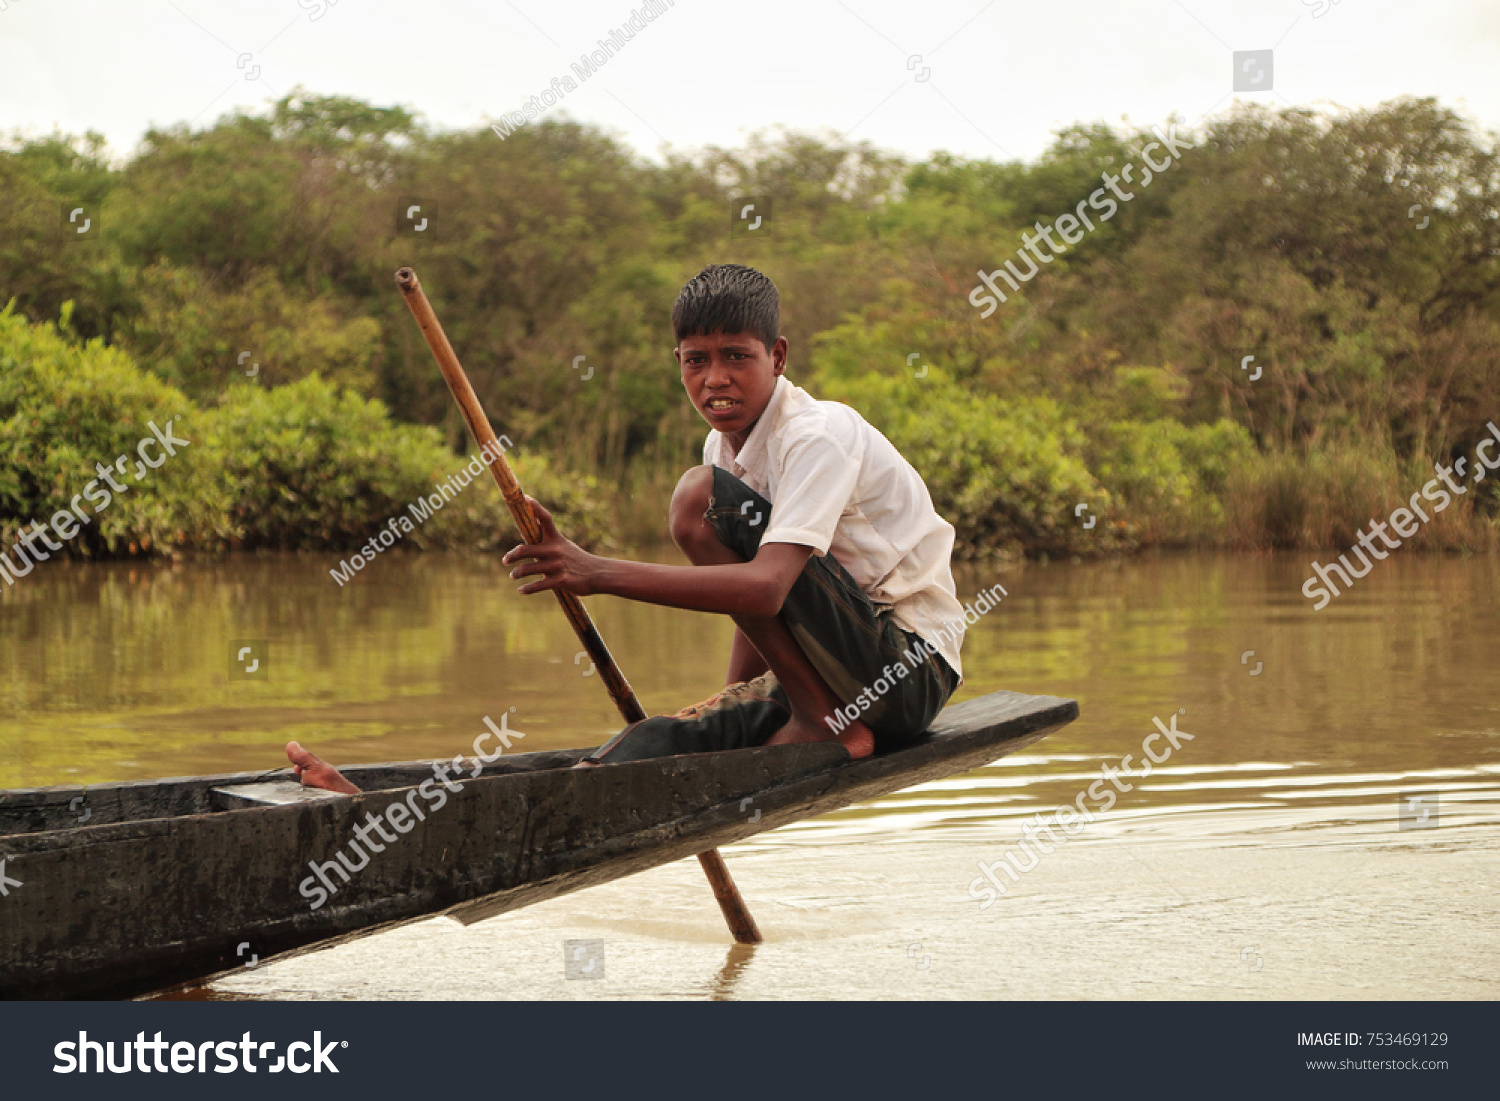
{"x": 728, "y": 298}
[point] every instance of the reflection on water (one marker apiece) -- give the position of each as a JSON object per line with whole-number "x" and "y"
{"x": 735, "y": 963}
{"x": 1277, "y": 820}
{"x": 123, "y": 671}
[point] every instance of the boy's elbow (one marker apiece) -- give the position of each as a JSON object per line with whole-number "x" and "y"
{"x": 768, "y": 579}
{"x": 768, "y": 597}
{"x": 765, "y": 605}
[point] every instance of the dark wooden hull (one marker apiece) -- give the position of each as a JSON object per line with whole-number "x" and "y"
{"x": 162, "y": 884}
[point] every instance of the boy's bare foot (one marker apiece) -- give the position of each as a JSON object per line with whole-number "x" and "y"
{"x": 856, "y": 737}
{"x": 316, "y": 772}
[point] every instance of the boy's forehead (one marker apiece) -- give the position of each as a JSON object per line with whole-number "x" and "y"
{"x": 707, "y": 342}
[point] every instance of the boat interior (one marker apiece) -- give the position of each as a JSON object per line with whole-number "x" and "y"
{"x": 40, "y": 810}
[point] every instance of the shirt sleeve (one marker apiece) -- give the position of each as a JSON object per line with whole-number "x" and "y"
{"x": 818, "y": 478}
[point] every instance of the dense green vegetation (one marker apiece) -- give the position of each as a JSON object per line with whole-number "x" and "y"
{"x": 1355, "y": 256}
{"x": 301, "y": 466}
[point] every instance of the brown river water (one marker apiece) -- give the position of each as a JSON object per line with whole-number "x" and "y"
{"x": 1269, "y": 857}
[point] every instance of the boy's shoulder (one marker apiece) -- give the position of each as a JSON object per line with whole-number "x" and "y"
{"x": 798, "y": 413}
{"x": 801, "y": 417}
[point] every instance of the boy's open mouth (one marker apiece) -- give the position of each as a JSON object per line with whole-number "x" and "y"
{"x": 721, "y": 407}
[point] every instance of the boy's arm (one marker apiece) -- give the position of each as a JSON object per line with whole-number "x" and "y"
{"x": 756, "y": 588}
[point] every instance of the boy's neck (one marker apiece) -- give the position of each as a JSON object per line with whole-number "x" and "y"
{"x": 737, "y": 440}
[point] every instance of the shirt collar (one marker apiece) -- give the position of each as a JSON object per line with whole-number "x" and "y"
{"x": 752, "y": 457}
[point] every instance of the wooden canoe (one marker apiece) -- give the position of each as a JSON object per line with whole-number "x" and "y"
{"x": 170, "y": 881}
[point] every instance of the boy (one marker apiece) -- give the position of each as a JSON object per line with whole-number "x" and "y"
{"x": 805, "y": 526}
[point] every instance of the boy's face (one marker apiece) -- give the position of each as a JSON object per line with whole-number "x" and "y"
{"x": 730, "y": 377}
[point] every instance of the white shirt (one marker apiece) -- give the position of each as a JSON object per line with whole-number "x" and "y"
{"x": 840, "y": 487}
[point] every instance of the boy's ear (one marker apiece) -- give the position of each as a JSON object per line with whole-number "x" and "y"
{"x": 778, "y": 355}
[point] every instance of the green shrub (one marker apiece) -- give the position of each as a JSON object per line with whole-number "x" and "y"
{"x": 66, "y": 407}
{"x": 309, "y": 467}
{"x": 306, "y": 466}
{"x": 1168, "y": 476}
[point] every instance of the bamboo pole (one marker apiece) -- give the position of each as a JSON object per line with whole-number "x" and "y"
{"x": 736, "y": 913}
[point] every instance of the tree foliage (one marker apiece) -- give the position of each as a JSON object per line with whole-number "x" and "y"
{"x": 1354, "y": 255}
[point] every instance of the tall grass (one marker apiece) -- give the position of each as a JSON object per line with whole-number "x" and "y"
{"x": 1324, "y": 498}
{"x": 641, "y": 501}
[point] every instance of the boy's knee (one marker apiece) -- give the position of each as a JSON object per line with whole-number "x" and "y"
{"x": 689, "y": 502}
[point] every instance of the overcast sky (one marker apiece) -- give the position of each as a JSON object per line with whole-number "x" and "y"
{"x": 1000, "y": 75}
